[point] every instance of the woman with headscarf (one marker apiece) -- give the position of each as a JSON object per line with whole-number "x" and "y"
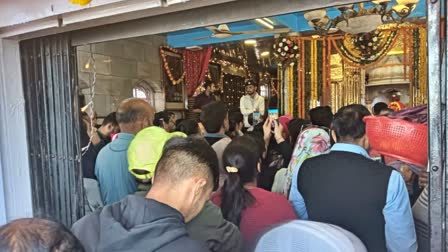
{"x": 311, "y": 142}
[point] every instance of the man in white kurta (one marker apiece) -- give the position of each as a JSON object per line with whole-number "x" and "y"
{"x": 251, "y": 102}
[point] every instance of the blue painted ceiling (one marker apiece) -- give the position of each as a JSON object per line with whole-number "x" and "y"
{"x": 295, "y": 21}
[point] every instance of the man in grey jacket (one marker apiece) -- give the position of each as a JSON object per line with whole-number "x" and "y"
{"x": 184, "y": 178}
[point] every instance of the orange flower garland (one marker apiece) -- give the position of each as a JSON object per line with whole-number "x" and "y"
{"x": 167, "y": 68}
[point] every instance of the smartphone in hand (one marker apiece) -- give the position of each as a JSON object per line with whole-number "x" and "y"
{"x": 273, "y": 115}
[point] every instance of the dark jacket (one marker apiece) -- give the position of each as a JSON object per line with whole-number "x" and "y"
{"x": 347, "y": 190}
{"x": 211, "y": 227}
{"x": 278, "y": 156}
{"x": 135, "y": 224}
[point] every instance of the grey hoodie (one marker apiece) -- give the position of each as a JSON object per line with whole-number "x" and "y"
{"x": 135, "y": 224}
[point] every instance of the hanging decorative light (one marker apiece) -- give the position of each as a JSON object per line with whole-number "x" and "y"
{"x": 361, "y": 20}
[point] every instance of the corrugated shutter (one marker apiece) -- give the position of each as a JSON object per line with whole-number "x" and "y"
{"x": 52, "y": 113}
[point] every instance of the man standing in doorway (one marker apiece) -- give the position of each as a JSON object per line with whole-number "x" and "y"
{"x": 205, "y": 97}
{"x": 111, "y": 167}
{"x": 251, "y": 102}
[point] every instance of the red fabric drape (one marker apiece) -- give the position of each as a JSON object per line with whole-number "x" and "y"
{"x": 195, "y": 67}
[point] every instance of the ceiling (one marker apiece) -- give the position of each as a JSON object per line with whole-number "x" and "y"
{"x": 295, "y": 21}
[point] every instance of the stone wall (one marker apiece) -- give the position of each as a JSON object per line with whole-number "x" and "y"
{"x": 120, "y": 66}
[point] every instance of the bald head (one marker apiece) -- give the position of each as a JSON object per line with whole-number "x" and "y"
{"x": 134, "y": 115}
{"x": 37, "y": 235}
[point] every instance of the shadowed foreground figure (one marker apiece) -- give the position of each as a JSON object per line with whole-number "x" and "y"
{"x": 37, "y": 235}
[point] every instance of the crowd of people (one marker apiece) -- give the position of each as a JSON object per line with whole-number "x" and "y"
{"x": 221, "y": 183}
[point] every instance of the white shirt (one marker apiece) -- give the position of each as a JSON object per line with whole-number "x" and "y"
{"x": 248, "y": 105}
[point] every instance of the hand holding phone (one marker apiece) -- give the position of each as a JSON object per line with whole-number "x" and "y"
{"x": 273, "y": 115}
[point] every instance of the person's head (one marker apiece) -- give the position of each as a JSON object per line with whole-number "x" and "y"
{"x": 214, "y": 117}
{"x": 39, "y": 235}
{"x": 242, "y": 162}
{"x": 361, "y": 110}
{"x": 145, "y": 150}
{"x": 134, "y": 114}
{"x": 386, "y": 112}
{"x": 208, "y": 87}
{"x": 321, "y": 116}
{"x": 166, "y": 120}
{"x": 349, "y": 127}
{"x": 188, "y": 126}
{"x": 378, "y": 107}
{"x": 185, "y": 175}
{"x": 251, "y": 87}
{"x": 110, "y": 124}
{"x": 294, "y": 128}
{"x": 236, "y": 122}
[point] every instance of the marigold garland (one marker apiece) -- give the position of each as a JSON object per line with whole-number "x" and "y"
{"x": 352, "y": 56}
{"x": 163, "y": 50}
{"x": 286, "y": 49}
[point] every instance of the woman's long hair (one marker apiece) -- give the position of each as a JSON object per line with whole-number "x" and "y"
{"x": 240, "y": 159}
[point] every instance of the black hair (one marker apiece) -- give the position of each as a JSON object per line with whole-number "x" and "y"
{"x": 183, "y": 157}
{"x": 162, "y": 115}
{"x": 361, "y": 110}
{"x": 234, "y": 119}
{"x": 388, "y": 110}
{"x": 213, "y": 116}
{"x": 207, "y": 83}
{"x": 242, "y": 155}
{"x": 110, "y": 118}
{"x": 348, "y": 125}
{"x": 188, "y": 126}
{"x": 294, "y": 127}
{"x": 250, "y": 82}
{"x": 321, "y": 116}
{"x": 37, "y": 235}
{"x": 380, "y": 106}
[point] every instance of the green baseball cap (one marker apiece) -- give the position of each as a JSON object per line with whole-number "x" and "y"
{"x": 146, "y": 149}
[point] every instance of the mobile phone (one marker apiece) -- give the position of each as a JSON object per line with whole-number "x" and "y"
{"x": 273, "y": 115}
{"x": 256, "y": 118}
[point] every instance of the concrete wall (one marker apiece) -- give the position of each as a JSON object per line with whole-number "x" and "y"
{"x": 120, "y": 66}
{"x": 15, "y": 195}
{"x": 13, "y": 12}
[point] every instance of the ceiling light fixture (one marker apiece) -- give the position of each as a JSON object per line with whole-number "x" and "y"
{"x": 264, "y": 23}
{"x": 360, "y": 20}
{"x": 269, "y": 20}
{"x": 250, "y": 42}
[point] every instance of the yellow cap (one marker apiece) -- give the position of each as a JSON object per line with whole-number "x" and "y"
{"x": 146, "y": 149}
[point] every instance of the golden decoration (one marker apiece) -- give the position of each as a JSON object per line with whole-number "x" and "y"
{"x": 163, "y": 50}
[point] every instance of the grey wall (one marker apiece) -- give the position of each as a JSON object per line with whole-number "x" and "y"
{"x": 120, "y": 66}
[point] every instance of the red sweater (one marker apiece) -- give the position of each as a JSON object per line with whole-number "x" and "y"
{"x": 269, "y": 209}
